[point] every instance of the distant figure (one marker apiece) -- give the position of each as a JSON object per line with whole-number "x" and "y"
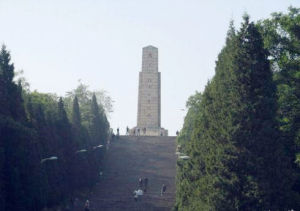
{"x": 127, "y": 131}
{"x": 161, "y": 133}
{"x": 118, "y": 132}
{"x": 72, "y": 202}
{"x": 137, "y": 193}
{"x": 145, "y": 184}
{"x": 163, "y": 189}
{"x": 138, "y": 132}
{"x": 177, "y": 133}
{"x": 135, "y": 196}
{"x": 144, "y": 131}
{"x": 87, "y": 205}
{"x": 140, "y": 182}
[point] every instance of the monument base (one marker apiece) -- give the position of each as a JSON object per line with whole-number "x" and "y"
{"x": 148, "y": 132}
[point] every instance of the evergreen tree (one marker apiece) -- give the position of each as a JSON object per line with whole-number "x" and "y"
{"x": 97, "y": 124}
{"x": 17, "y": 164}
{"x": 237, "y": 160}
{"x": 281, "y": 39}
{"x": 76, "y": 118}
{"x": 81, "y": 138}
{"x": 11, "y": 103}
{"x": 67, "y": 148}
{"x": 28, "y": 179}
{"x": 261, "y": 166}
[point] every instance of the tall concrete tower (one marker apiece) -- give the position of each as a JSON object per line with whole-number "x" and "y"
{"x": 149, "y": 96}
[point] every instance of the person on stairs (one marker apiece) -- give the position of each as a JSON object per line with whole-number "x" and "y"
{"x": 140, "y": 183}
{"x": 87, "y": 205}
{"x": 163, "y": 189}
{"x": 138, "y": 132}
{"x": 145, "y": 184}
{"x": 137, "y": 194}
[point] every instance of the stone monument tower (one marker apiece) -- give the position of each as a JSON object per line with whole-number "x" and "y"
{"x": 149, "y": 97}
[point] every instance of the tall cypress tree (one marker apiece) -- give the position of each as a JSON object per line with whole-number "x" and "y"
{"x": 262, "y": 163}
{"x": 11, "y": 103}
{"x": 16, "y": 142}
{"x": 80, "y": 133}
{"x": 76, "y": 118}
{"x": 237, "y": 160}
{"x": 66, "y": 148}
{"x": 96, "y": 126}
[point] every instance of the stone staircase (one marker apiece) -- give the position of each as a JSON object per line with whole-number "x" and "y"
{"x": 129, "y": 158}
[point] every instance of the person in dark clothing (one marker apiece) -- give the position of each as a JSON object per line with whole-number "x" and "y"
{"x": 163, "y": 189}
{"x": 87, "y": 205}
{"x": 140, "y": 182}
{"x": 177, "y": 133}
{"x": 145, "y": 184}
{"x": 118, "y": 132}
{"x": 127, "y": 131}
{"x": 135, "y": 196}
{"x": 138, "y": 132}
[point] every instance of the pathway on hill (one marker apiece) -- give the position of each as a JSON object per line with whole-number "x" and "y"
{"x": 128, "y": 159}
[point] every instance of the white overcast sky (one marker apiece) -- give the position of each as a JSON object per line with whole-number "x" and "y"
{"x": 57, "y": 42}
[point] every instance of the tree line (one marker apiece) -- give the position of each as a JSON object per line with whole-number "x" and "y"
{"x": 241, "y": 134}
{"x": 50, "y": 147}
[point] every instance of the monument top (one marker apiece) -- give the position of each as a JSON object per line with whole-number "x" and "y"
{"x": 150, "y": 46}
{"x": 150, "y": 59}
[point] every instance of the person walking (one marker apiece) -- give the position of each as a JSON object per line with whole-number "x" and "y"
{"x": 127, "y": 131}
{"x": 87, "y": 205}
{"x": 140, "y": 183}
{"x": 138, "y": 132}
{"x": 163, "y": 189}
{"x": 135, "y": 196}
{"x": 145, "y": 184}
{"x": 118, "y": 132}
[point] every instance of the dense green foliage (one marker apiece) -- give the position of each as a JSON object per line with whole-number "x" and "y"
{"x": 241, "y": 133}
{"x": 47, "y": 154}
{"x": 281, "y": 35}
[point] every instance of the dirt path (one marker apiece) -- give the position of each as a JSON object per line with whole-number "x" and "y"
{"x": 128, "y": 159}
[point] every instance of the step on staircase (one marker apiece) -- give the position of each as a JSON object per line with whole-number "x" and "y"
{"x": 128, "y": 159}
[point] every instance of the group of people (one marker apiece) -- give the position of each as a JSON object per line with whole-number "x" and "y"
{"x": 137, "y": 132}
{"x": 143, "y": 183}
{"x": 142, "y": 188}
